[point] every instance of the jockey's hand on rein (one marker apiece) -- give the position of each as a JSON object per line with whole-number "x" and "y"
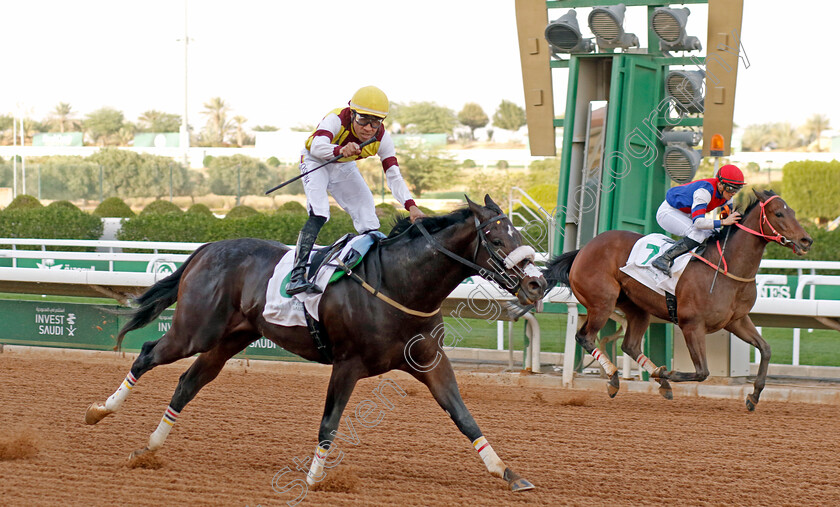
{"x": 350, "y": 149}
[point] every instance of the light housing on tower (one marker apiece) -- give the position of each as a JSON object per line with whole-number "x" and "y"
{"x": 681, "y": 162}
{"x": 686, "y": 88}
{"x": 563, "y": 35}
{"x": 606, "y": 23}
{"x": 669, "y": 25}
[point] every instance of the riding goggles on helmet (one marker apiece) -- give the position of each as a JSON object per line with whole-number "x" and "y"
{"x": 364, "y": 120}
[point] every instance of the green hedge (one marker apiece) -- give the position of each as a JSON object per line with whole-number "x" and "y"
{"x": 51, "y": 222}
{"x": 812, "y": 188}
{"x": 113, "y": 207}
{"x": 200, "y": 228}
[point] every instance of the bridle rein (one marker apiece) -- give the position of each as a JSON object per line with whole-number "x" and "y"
{"x": 762, "y": 219}
{"x": 499, "y": 264}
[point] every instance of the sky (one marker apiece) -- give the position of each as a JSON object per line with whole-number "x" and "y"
{"x": 286, "y": 63}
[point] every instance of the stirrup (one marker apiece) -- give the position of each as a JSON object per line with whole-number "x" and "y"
{"x": 298, "y": 283}
{"x": 662, "y": 265}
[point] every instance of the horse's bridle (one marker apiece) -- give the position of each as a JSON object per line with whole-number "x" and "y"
{"x": 499, "y": 264}
{"x": 778, "y": 238}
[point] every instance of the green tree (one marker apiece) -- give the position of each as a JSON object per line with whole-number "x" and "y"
{"x": 425, "y": 118}
{"x": 426, "y": 168}
{"x": 130, "y": 174}
{"x": 473, "y": 117}
{"x": 253, "y": 175}
{"x": 61, "y": 118}
{"x": 217, "y": 127}
{"x": 158, "y": 121}
{"x": 265, "y": 128}
{"x": 509, "y": 116}
{"x": 103, "y": 125}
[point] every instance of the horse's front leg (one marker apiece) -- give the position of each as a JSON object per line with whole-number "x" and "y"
{"x": 343, "y": 380}
{"x": 744, "y": 329}
{"x": 695, "y": 341}
{"x": 440, "y": 379}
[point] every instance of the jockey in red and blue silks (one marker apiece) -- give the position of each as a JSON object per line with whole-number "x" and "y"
{"x": 683, "y": 212}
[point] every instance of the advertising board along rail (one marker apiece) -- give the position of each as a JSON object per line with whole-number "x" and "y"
{"x": 111, "y": 272}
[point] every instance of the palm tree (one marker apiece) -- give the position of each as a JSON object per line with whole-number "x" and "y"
{"x": 217, "y": 126}
{"x": 240, "y": 132}
{"x": 815, "y": 125}
{"x": 61, "y": 117}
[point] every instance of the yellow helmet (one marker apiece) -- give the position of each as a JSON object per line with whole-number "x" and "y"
{"x": 370, "y": 100}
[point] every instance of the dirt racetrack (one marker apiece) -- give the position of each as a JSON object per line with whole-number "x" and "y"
{"x": 577, "y": 447}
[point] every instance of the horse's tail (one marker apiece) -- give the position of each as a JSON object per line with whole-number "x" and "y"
{"x": 155, "y": 300}
{"x": 557, "y": 269}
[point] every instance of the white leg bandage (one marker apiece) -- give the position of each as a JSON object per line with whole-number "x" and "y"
{"x": 115, "y": 401}
{"x": 605, "y": 362}
{"x": 646, "y": 363}
{"x": 316, "y": 471}
{"x": 164, "y": 427}
{"x": 491, "y": 460}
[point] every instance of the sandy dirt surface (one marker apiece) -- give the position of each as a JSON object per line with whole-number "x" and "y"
{"x": 577, "y": 447}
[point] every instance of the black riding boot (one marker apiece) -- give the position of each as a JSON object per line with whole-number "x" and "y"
{"x": 665, "y": 261}
{"x": 297, "y": 281}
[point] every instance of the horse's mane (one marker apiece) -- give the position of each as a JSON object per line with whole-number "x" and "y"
{"x": 432, "y": 224}
{"x": 752, "y": 204}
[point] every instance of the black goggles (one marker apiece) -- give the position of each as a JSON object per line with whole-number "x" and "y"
{"x": 365, "y": 120}
{"x": 732, "y": 189}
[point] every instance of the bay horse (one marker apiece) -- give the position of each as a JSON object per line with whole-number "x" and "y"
{"x": 594, "y": 277}
{"x": 221, "y": 292}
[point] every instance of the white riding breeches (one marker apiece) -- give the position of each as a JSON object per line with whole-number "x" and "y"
{"x": 678, "y": 223}
{"x": 346, "y": 185}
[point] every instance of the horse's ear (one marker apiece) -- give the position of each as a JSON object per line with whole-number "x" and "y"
{"x": 492, "y": 205}
{"x": 760, "y": 196}
{"x": 476, "y": 208}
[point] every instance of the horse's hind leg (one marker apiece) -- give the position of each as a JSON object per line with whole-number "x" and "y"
{"x": 440, "y": 380}
{"x": 586, "y": 337}
{"x": 177, "y": 343}
{"x": 164, "y": 350}
{"x": 205, "y": 368}
{"x": 637, "y": 323}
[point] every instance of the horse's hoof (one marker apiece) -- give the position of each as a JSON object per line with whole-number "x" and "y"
{"x": 660, "y": 373}
{"x": 138, "y": 452}
{"x": 612, "y": 385}
{"x": 96, "y": 412}
{"x": 751, "y": 402}
{"x": 666, "y": 393}
{"x": 516, "y": 482}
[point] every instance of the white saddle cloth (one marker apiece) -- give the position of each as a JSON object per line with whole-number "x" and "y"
{"x": 638, "y": 264}
{"x": 288, "y": 311}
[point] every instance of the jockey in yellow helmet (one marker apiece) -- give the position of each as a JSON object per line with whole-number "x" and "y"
{"x": 340, "y": 133}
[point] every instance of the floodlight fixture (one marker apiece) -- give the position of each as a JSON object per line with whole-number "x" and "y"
{"x": 669, "y": 25}
{"x": 681, "y": 162}
{"x": 685, "y": 87}
{"x": 563, "y": 35}
{"x": 689, "y": 137}
{"x": 606, "y": 23}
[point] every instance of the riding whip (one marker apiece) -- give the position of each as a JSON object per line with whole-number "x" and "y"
{"x": 301, "y": 175}
{"x": 723, "y": 250}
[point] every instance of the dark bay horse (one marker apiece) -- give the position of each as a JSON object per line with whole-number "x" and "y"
{"x": 595, "y": 279}
{"x": 221, "y": 289}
